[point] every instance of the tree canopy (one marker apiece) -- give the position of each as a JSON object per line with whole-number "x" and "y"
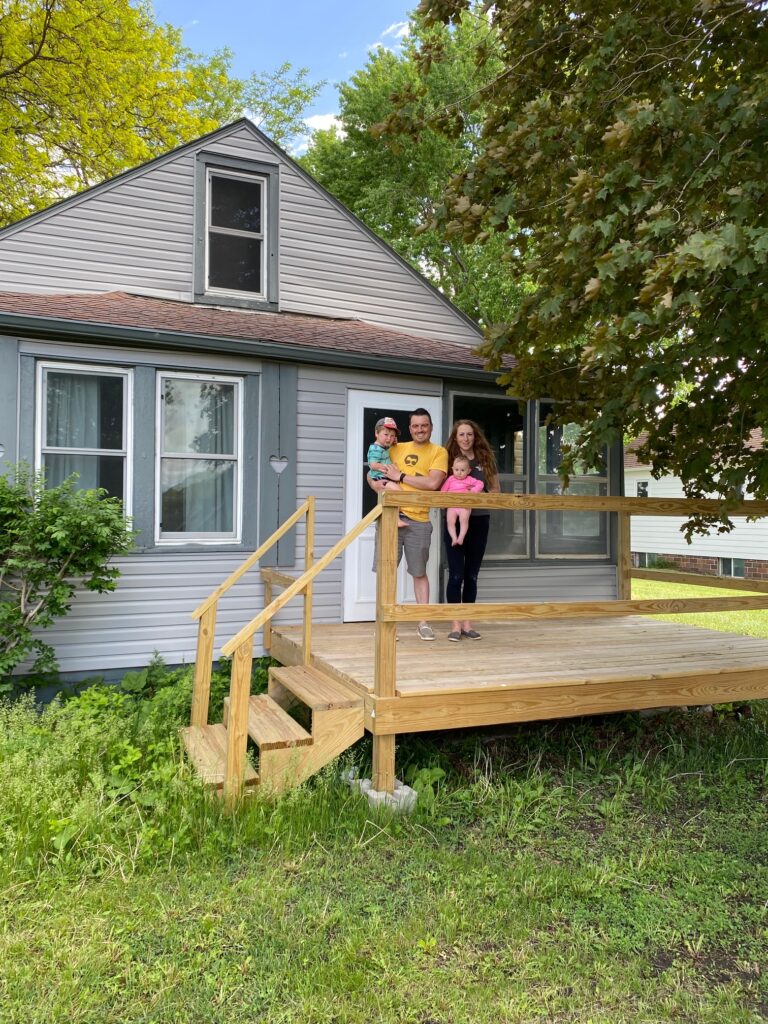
{"x": 394, "y": 188}
{"x": 623, "y": 159}
{"x": 89, "y": 88}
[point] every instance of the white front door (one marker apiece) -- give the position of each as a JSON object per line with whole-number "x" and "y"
{"x": 363, "y": 409}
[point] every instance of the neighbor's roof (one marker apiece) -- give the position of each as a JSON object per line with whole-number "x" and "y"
{"x": 631, "y": 461}
{"x": 157, "y": 321}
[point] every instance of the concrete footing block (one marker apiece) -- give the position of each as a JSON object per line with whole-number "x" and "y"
{"x": 401, "y": 801}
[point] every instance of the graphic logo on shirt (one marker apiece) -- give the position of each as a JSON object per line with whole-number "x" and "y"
{"x": 411, "y": 460}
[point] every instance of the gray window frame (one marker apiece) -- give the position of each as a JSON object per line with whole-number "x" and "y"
{"x": 269, "y": 175}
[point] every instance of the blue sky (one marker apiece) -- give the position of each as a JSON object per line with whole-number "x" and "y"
{"x": 330, "y": 37}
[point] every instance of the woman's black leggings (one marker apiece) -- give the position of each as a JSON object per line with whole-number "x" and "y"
{"x": 464, "y": 561}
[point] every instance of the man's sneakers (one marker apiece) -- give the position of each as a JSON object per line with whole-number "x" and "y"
{"x": 425, "y": 632}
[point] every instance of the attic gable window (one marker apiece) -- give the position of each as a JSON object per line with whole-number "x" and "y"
{"x": 237, "y": 229}
{"x": 236, "y": 233}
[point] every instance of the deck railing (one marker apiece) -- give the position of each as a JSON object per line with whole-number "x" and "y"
{"x": 240, "y": 647}
{"x": 206, "y": 612}
{"x": 389, "y": 612}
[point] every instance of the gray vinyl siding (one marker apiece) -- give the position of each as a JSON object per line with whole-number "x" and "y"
{"x": 321, "y": 463}
{"x": 137, "y": 235}
{"x": 546, "y": 581}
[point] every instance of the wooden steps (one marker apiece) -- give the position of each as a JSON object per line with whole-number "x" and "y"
{"x": 269, "y": 726}
{"x": 312, "y": 687}
{"x": 288, "y": 754}
{"x": 206, "y": 747}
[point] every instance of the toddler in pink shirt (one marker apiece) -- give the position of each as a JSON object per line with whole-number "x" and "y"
{"x": 460, "y": 482}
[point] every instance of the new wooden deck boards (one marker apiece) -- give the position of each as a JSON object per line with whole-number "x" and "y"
{"x": 524, "y": 671}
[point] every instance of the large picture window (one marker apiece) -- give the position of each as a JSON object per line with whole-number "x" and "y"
{"x": 568, "y": 533}
{"x": 236, "y": 232}
{"x": 199, "y": 458}
{"x": 83, "y": 427}
{"x": 502, "y": 420}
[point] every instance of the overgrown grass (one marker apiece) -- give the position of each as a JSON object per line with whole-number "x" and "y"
{"x": 606, "y": 869}
{"x": 750, "y": 623}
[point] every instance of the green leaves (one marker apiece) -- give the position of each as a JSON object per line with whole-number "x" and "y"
{"x": 623, "y": 161}
{"x": 52, "y": 541}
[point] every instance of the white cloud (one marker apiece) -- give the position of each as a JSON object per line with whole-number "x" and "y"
{"x": 375, "y": 46}
{"x": 320, "y": 122}
{"x": 398, "y": 29}
{"x": 343, "y": 55}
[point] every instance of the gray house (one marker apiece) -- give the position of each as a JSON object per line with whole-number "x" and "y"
{"x": 212, "y": 336}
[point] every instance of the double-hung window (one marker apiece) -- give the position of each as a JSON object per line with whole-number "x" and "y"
{"x": 236, "y": 233}
{"x": 199, "y": 482}
{"x": 83, "y": 427}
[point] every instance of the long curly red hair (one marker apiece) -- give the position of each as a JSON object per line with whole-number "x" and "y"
{"x": 483, "y": 451}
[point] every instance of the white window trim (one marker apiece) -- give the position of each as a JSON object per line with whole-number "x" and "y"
{"x": 178, "y": 540}
{"x": 218, "y": 172}
{"x": 92, "y": 370}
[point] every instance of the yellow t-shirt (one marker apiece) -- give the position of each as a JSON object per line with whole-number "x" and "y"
{"x": 417, "y": 460}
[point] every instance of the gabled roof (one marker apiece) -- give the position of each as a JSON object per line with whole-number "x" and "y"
{"x": 200, "y": 144}
{"x": 137, "y": 319}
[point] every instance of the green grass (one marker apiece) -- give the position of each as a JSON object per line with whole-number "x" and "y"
{"x": 607, "y": 870}
{"x": 751, "y": 623}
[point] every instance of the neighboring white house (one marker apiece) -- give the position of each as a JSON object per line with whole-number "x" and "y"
{"x": 743, "y": 552}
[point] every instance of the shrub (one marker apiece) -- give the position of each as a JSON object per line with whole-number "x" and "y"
{"x": 52, "y": 541}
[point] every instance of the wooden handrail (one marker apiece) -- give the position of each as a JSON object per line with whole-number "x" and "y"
{"x": 247, "y": 632}
{"x": 568, "y": 609}
{"x": 575, "y": 503}
{"x": 282, "y": 579}
{"x": 699, "y": 580}
{"x": 214, "y": 596}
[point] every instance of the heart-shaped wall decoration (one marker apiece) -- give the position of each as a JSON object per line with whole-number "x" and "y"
{"x": 278, "y": 463}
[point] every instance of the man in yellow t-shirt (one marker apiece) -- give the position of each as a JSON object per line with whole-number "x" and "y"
{"x": 417, "y": 465}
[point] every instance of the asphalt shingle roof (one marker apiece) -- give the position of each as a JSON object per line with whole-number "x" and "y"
{"x": 120, "y": 309}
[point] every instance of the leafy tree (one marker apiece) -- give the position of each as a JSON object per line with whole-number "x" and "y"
{"x": 52, "y": 541}
{"x": 394, "y": 188}
{"x": 623, "y": 157}
{"x": 89, "y": 88}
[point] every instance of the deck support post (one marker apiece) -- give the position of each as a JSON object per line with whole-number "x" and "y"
{"x": 309, "y": 561}
{"x": 201, "y": 687}
{"x": 384, "y": 680}
{"x": 624, "y": 559}
{"x": 237, "y": 725}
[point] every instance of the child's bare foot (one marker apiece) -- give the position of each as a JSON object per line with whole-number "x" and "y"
{"x": 401, "y": 523}
{"x": 455, "y": 541}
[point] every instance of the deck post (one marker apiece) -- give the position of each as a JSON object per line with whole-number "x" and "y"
{"x": 624, "y": 559}
{"x": 384, "y": 680}
{"x": 201, "y": 687}
{"x": 309, "y": 559}
{"x": 237, "y": 726}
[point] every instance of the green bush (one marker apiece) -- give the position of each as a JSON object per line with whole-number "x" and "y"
{"x": 52, "y": 541}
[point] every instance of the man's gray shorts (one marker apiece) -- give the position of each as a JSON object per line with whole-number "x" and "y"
{"x": 414, "y": 539}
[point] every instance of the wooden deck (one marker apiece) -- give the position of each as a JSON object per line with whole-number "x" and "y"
{"x": 525, "y": 671}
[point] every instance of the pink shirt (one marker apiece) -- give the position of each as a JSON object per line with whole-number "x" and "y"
{"x": 468, "y": 485}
